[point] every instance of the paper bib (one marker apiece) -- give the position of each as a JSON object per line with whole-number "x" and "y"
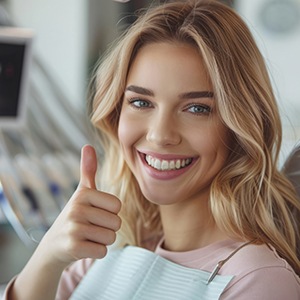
{"x": 134, "y": 273}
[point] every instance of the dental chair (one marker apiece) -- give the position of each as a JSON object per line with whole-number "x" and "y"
{"x": 291, "y": 168}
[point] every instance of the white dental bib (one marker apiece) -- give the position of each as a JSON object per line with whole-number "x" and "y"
{"x": 133, "y": 273}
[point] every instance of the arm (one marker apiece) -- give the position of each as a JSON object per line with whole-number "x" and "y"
{"x": 83, "y": 229}
{"x": 69, "y": 280}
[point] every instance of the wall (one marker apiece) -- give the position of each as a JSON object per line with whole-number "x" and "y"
{"x": 276, "y": 27}
{"x": 61, "y": 39}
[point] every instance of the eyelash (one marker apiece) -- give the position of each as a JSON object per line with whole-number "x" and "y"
{"x": 205, "y": 109}
{"x": 133, "y": 102}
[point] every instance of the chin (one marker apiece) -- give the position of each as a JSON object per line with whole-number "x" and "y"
{"x": 162, "y": 199}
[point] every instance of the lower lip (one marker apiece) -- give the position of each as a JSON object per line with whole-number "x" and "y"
{"x": 164, "y": 175}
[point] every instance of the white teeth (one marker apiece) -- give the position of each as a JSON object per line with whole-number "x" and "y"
{"x": 172, "y": 164}
{"x": 157, "y": 164}
{"x": 167, "y": 165}
{"x": 164, "y": 165}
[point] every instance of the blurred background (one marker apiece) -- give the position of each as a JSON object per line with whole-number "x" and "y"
{"x": 46, "y": 58}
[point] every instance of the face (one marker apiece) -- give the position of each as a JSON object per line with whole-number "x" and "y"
{"x": 169, "y": 130}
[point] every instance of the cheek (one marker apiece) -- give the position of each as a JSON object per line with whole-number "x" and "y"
{"x": 127, "y": 133}
{"x": 213, "y": 142}
{"x": 122, "y": 132}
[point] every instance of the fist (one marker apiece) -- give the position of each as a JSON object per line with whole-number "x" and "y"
{"x": 89, "y": 221}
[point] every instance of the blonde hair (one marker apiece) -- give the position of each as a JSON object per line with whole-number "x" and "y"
{"x": 250, "y": 198}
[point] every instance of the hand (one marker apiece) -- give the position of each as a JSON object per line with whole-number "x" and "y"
{"x": 89, "y": 221}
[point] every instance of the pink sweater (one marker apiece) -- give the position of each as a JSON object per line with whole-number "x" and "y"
{"x": 259, "y": 273}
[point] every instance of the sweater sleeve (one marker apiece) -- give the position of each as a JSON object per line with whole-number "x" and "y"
{"x": 71, "y": 277}
{"x": 69, "y": 280}
{"x": 266, "y": 283}
{"x": 8, "y": 288}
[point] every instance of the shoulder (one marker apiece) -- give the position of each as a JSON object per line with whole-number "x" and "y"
{"x": 259, "y": 273}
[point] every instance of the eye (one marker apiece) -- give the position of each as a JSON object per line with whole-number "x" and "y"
{"x": 199, "y": 109}
{"x": 140, "y": 103}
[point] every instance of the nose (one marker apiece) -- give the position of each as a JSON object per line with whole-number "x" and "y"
{"x": 163, "y": 130}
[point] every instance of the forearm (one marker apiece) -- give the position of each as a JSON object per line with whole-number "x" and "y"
{"x": 38, "y": 280}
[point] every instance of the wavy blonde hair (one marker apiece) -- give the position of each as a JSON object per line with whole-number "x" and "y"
{"x": 250, "y": 198}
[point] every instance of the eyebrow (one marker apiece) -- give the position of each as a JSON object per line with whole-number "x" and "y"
{"x": 188, "y": 95}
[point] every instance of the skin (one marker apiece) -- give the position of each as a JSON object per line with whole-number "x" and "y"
{"x": 168, "y": 112}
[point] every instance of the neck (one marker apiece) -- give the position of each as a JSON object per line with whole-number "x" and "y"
{"x": 188, "y": 228}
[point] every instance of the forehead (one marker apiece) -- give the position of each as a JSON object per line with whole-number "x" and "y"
{"x": 169, "y": 62}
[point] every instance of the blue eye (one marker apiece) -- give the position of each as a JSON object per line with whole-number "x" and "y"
{"x": 199, "y": 109}
{"x": 140, "y": 103}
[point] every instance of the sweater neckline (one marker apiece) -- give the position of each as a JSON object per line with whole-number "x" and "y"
{"x": 188, "y": 256}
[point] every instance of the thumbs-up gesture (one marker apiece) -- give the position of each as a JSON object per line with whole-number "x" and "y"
{"x": 89, "y": 221}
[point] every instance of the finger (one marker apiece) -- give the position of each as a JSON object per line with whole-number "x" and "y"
{"x": 88, "y": 167}
{"x": 102, "y": 218}
{"x": 88, "y": 232}
{"x": 86, "y": 249}
{"x": 96, "y": 234}
{"x": 103, "y": 201}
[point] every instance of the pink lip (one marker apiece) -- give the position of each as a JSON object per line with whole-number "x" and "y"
{"x": 164, "y": 175}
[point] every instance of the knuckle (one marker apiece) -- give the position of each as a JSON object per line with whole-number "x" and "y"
{"x": 71, "y": 248}
{"x": 72, "y": 229}
{"x": 76, "y": 212}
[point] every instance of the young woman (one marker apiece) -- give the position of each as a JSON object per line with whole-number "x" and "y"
{"x": 191, "y": 135}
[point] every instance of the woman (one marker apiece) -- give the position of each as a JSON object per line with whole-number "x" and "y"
{"x": 191, "y": 136}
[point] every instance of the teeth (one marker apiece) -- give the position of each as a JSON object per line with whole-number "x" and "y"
{"x": 157, "y": 164}
{"x": 164, "y": 165}
{"x": 167, "y": 165}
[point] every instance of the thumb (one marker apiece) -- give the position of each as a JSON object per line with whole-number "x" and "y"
{"x": 88, "y": 167}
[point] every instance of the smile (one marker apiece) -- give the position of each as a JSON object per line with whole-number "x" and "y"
{"x": 167, "y": 165}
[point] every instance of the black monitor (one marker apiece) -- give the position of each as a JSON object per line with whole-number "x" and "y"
{"x": 15, "y": 57}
